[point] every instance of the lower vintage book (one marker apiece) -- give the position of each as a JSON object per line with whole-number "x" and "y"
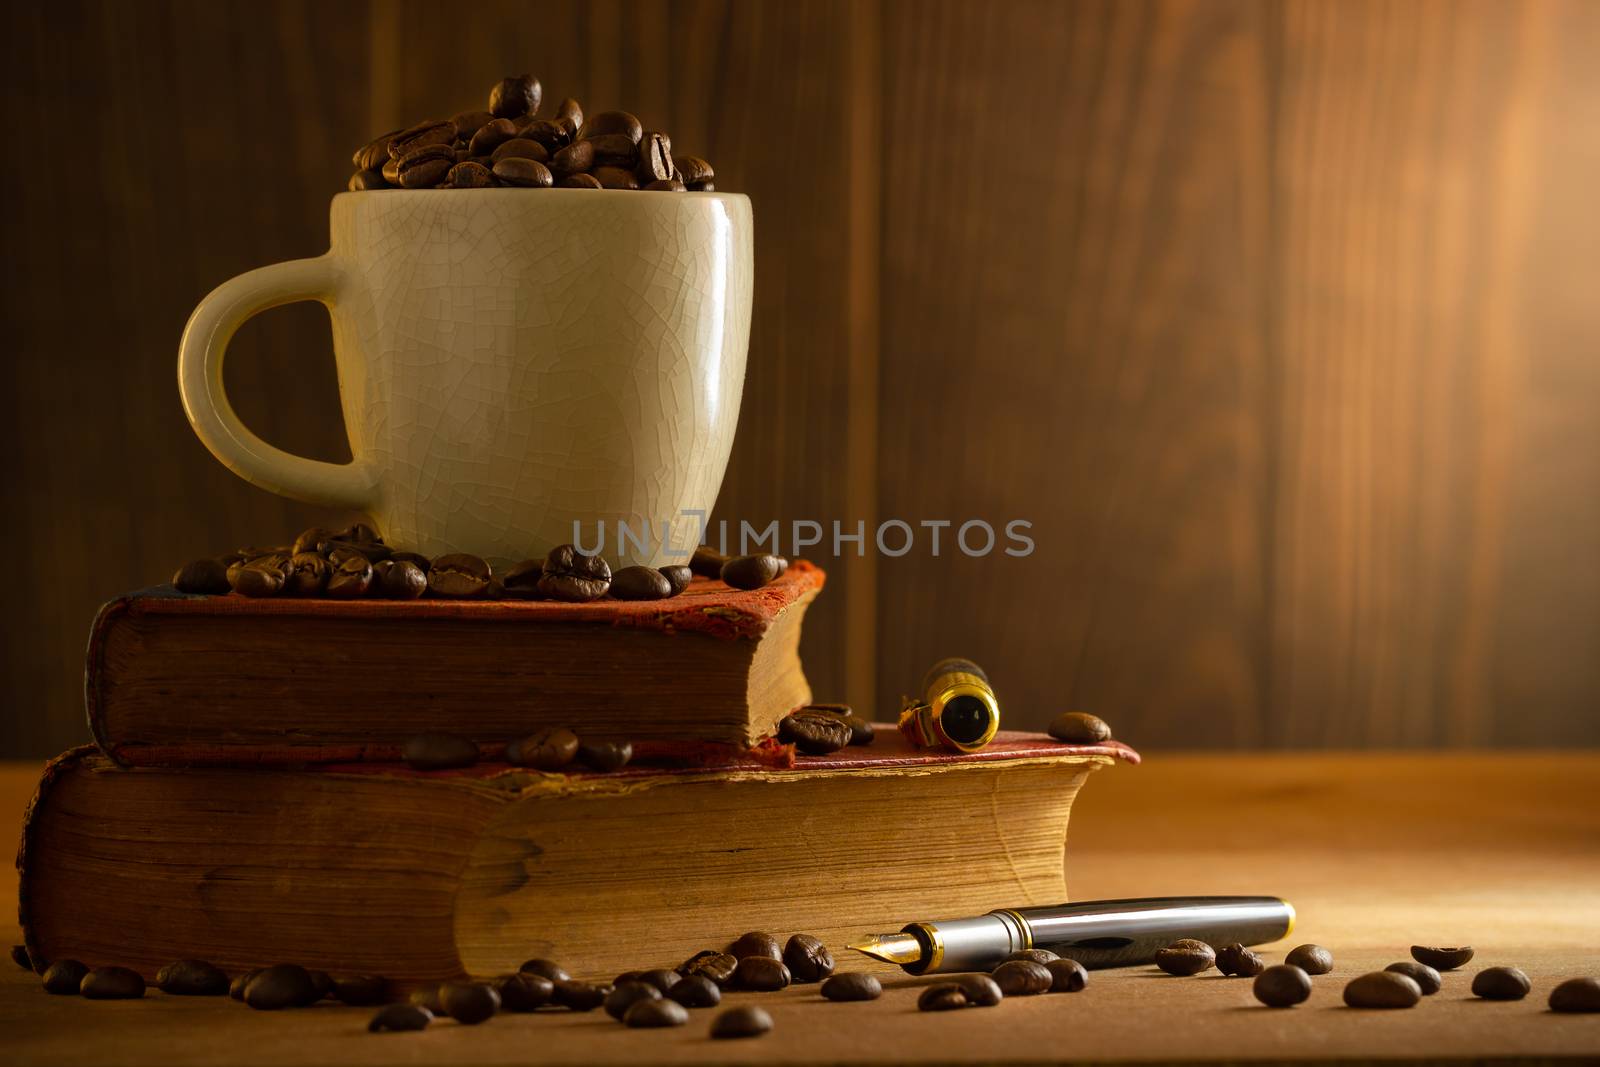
{"x": 377, "y": 869}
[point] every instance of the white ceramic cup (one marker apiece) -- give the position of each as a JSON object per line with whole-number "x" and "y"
{"x": 511, "y": 362}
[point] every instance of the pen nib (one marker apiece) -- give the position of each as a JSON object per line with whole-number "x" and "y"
{"x": 890, "y": 948}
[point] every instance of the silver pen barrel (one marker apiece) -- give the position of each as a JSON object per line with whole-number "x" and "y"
{"x": 1101, "y": 933}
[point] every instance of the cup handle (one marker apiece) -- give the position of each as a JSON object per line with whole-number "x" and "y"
{"x": 205, "y": 402}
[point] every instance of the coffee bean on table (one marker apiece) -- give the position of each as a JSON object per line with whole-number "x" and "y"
{"x": 605, "y": 756}
{"x": 1312, "y": 959}
{"x": 756, "y": 943}
{"x": 761, "y": 973}
{"x": 323, "y": 982}
{"x": 522, "y": 581}
{"x": 1032, "y": 955}
{"x": 1067, "y": 976}
{"x": 1426, "y": 977}
{"x": 663, "y": 978}
{"x": 515, "y": 96}
{"x": 1079, "y": 728}
{"x": 852, "y": 985}
{"x": 640, "y": 583}
{"x": 237, "y": 986}
{"x": 1022, "y": 978}
{"x": 285, "y": 985}
{"x": 1282, "y": 985}
{"x": 63, "y": 977}
{"x": 192, "y": 978}
{"x": 579, "y": 996}
{"x": 112, "y": 983}
{"x": 572, "y": 576}
{"x": 625, "y": 995}
{"x": 549, "y": 749}
{"x": 1500, "y": 983}
{"x": 580, "y": 181}
{"x": 1382, "y": 989}
{"x": 526, "y": 992}
{"x": 981, "y": 990}
{"x": 1236, "y": 961}
{"x": 545, "y": 968}
{"x": 654, "y": 1014}
{"x": 717, "y": 966}
{"x": 398, "y": 579}
{"x": 747, "y": 1020}
{"x": 678, "y": 577}
{"x": 750, "y": 572}
{"x": 1576, "y": 995}
{"x": 807, "y": 958}
{"x": 946, "y": 996}
{"x": 1442, "y": 959}
{"x": 1185, "y": 957}
{"x": 19, "y": 956}
{"x": 427, "y": 998}
{"x": 400, "y": 1018}
{"x": 439, "y": 751}
{"x": 361, "y": 990}
{"x": 696, "y": 991}
{"x": 459, "y": 576}
{"x": 207, "y": 577}
{"x": 469, "y": 1002}
{"x": 814, "y": 733}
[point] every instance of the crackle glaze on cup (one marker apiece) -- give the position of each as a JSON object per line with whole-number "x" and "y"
{"x": 510, "y": 362}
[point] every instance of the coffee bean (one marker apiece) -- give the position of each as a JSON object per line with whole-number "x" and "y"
{"x": 425, "y": 167}
{"x": 63, "y": 977}
{"x": 469, "y": 1002}
{"x": 525, "y": 992}
{"x": 625, "y": 995}
{"x": 707, "y": 562}
{"x": 366, "y": 181}
{"x": 570, "y": 115}
{"x": 605, "y": 756}
{"x": 750, "y": 572}
{"x": 361, "y": 991}
{"x": 427, "y": 998}
{"x": 640, "y": 583}
{"x": 579, "y": 996}
{"x": 111, "y": 983}
{"x": 852, "y": 985}
{"x": 575, "y": 158}
{"x": 609, "y": 122}
{"x": 1032, "y": 955}
{"x": 307, "y": 574}
{"x": 459, "y": 576}
{"x": 655, "y": 158}
{"x": 696, "y": 991}
{"x": 371, "y": 155}
{"x": 1442, "y": 959}
{"x": 614, "y": 150}
{"x": 1079, "y": 728}
{"x": 240, "y": 981}
{"x": 1186, "y": 956}
{"x": 572, "y": 576}
{"x": 1067, "y": 976}
{"x": 1236, "y": 961}
{"x": 491, "y": 135}
{"x": 1282, "y": 985}
{"x": 399, "y": 1018}
{"x": 545, "y": 969}
{"x": 468, "y": 123}
{"x": 655, "y": 1014}
{"x": 761, "y": 973}
{"x": 398, "y": 579}
{"x": 520, "y": 148}
{"x": 1022, "y": 978}
{"x": 947, "y": 996}
{"x": 19, "y": 956}
{"x": 717, "y": 966}
{"x": 469, "y": 175}
{"x": 549, "y": 749}
{"x": 285, "y": 985}
{"x": 1426, "y": 977}
{"x": 340, "y": 549}
{"x": 263, "y": 577}
{"x": 205, "y": 577}
{"x": 666, "y": 187}
{"x": 693, "y": 169}
{"x": 678, "y": 578}
{"x": 613, "y": 177}
{"x": 351, "y": 579}
{"x": 747, "y": 1020}
{"x": 192, "y": 978}
{"x": 807, "y": 958}
{"x": 514, "y": 96}
{"x": 580, "y": 181}
{"x": 701, "y": 187}
{"x": 551, "y": 133}
{"x": 981, "y": 990}
{"x": 423, "y": 134}
{"x": 1500, "y": 983}
{"x": 1312, "y": 959}
{"x": 861, "y": 731}
{"x": 1576, "y": 995}
{"x": 390, "y": 172}
{"x": 1382, "y": 989}
{"x": 814, "y": 733}
{"x": 756, "y": 943}
{"x": 323, "y": 981}
{"x": 436, "y": 752}
{"x": 663, "y": 978}
{"x": 522, "y": 581}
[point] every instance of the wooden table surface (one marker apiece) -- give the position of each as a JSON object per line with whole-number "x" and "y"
{"x": 1376, "y": 851}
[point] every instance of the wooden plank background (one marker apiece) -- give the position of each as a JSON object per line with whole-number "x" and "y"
{"x": 1276, "y": 320}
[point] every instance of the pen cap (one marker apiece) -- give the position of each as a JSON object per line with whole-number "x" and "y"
{"x": 958, "y": 708}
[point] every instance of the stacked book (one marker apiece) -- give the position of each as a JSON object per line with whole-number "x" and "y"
{"x": 245, "y": 801}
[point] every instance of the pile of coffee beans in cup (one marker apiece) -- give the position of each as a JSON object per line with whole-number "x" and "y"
{"x": 356, "y": 564}
{"x": 509, "y": 145}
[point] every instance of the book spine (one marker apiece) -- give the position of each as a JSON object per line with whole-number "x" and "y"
{"x": 54, "y": 771}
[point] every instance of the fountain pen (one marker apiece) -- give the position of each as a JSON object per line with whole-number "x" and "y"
{"x": 1096, "y": 933}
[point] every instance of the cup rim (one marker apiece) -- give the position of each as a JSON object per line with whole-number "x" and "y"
{"x": 500, "y": 191}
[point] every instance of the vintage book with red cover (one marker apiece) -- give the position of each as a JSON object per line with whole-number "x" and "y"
{"x": 215, "y": 679}
{"x": 369, "y": 868}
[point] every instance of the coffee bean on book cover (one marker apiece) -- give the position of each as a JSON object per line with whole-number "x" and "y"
{"x": 549, "y": 749}
{"x": 605, "y": 756}
{"x": 526, "y": 992}
{"x": 439, "y": 751}
{"x": 570, "y": 575}
{"x": 640, "y": 583}
{"x": 814, "y": 733}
